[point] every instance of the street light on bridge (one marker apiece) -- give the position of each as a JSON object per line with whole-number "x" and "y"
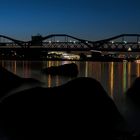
{"x": 112, "y": 42}
{"x": 125, "y": 42}
{"x": 129, "y": 49}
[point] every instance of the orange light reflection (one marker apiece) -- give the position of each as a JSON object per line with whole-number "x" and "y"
{"x": 112, "y": 79}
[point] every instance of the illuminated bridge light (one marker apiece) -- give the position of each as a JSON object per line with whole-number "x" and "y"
{"x": 138, "y": 42}
{"x": 86, "y": 41}
{"x": 125, "y": 42}
{"x": 57, "y": 40}
{"x": 129, "y": 49}
{"x": 50, "y": 41}
{"x": 74, "y": 42}
{"x": 112, "y": 42}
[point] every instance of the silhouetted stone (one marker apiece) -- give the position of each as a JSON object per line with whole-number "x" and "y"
{"x": 133, "y": 106}
{"x": 134, "y": 91}
{"x": 65, "y": 70}
{"x": 78, "y": 109}
{"x": 10, "y": 81}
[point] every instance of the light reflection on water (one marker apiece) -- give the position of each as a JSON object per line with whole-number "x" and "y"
{"x": 115, "y": 77}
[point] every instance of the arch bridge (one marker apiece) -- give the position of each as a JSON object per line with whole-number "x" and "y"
{"x": 8, "y": 42}
{"x": 61, "y": 42}
{"x": 122, "y": 43}
{"x": 64, "y": 42}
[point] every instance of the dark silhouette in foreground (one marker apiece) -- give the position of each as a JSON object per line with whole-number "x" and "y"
{"x": 78, "y": 109}
{"x": 133, "y": 105}
{"x": 133, "y": 93}
{"x": 65, "y": 70}
{"x": 10, "y": 81}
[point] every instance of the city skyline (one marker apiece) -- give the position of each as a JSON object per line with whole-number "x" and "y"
{"x": 85, "y": 19}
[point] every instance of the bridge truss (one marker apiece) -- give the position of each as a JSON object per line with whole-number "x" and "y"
{"x": 63, "y": 42}
{"x": 121, "y": 43}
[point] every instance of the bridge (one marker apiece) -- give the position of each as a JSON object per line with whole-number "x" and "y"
{"x": 51, "y": 42}
{"x": 63, "y": 42}
{"x": 39, "y": 45}
{"x": 121, "y": 43}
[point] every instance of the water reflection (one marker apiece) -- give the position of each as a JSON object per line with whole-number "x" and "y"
{"x": 112, "y": 79}
{"x": 129, "y": 74}
{"x": 49, "y": 80}
{"x": 27, "y": 69}
{"x": 124, "y": 77}
{"x": 86, "y": 70}
{"x": 115, "y": 77}
{"x": 138, "y": 70}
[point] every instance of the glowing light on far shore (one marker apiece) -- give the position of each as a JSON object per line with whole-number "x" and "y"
{"x": 137, "y": 61}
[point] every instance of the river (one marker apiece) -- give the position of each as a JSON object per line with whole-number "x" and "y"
{"x": 115, "y": 77}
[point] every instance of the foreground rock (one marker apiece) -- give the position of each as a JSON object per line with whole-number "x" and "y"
{"x": 133, "y": 93}
{"x": 10, "y": 81}
{"x": 65, "y": 70}
{"x": 133, "y": 106}
{"x": 79, "y": 109}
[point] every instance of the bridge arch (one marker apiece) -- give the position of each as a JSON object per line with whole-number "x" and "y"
{"x": 136, "y": 36}
{"x": 5, "y": 40}
{"x": 64, "y": 41}
{"x": 123, "y": 42}
{"x": 63, "y": 35}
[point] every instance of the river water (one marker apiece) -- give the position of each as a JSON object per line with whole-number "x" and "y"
{"x": 115, "y": 77}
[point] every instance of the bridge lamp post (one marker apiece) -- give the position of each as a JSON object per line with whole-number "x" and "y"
{"x": 74, "y": 42}
{"x": 50, "y": 42}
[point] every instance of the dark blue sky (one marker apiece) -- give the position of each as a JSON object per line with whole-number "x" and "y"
{"x": 87, "y": 19}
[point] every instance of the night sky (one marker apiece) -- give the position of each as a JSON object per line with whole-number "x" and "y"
{"x": 86, "y": 19}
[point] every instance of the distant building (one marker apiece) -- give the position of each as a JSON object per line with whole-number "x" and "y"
{"x": 36, "y": 40}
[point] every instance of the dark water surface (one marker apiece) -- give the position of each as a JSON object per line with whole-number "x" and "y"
{"x": 115, "y": 77}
